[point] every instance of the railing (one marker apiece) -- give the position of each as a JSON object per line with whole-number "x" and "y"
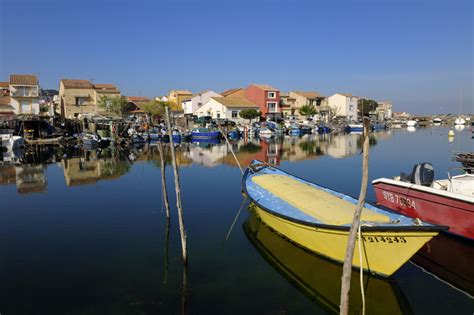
{"x": 20, "y": 93}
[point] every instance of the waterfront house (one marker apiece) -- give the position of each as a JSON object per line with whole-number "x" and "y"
{"x": 266, "y": 97}
{"x": 343, "y": 105}
{"x": 4, "y": 89}
{"x": 24, "y": 94}
{"x": 177, "y": 97}
{"x": 384, "y": 110}
{"x": 226, "y": 107}
{"x": 81, "y": 97}
{"x": 401, "y": 115}
{"x": 135, "y": 104}
{"x": 6, "y": 110}
{"x": 287, "y": 104}
{"x": 303, "y": 98}
{"x": 197, "y": 101}
{"x": 238, "y": 92}
{"x": 76, "y": 97}
{"x": 105, "y": 90}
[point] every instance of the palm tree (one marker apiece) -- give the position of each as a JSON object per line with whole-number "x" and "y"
{"x": 307, "y": 110}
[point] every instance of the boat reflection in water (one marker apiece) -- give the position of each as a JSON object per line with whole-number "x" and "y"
{"x": 450, "y": 259}
{"x": 320, "y": 279}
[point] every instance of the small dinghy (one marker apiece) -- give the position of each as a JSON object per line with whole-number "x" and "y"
{"x": 319, "y": 219}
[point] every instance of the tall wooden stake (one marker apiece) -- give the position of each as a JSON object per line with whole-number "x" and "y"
{"x": 182, "y": 230}
{"x": 163, "y": 180}
{"x": 347, "y": 268}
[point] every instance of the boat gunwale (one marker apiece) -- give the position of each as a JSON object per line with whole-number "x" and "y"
{"x": 424, "y": 189}
{"x": 414, "y": 228}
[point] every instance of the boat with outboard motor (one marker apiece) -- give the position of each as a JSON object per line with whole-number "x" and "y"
{"x": 319, "y": 219}
{"x": 448, "y": 201}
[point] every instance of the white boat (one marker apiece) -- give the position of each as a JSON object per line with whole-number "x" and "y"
{"x": 437, "y": 120}
{"x": 11, "y": 141}
{"x": 266, "y": 132}
{"x": 459, "y": 121}
{"x": 411, "y": 123}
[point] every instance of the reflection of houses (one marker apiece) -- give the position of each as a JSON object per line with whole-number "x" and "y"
{"x": 209, "y": 156}
{"x": 226, "y": 107}
{"x": 197, "y": 101}
{"x": 344, "y": 145}
{"x": 344, "y": 105}
{"x": 28, "y": 178}
{"x": 270, "y": 152}
{"x": 89, "y": 169}
{"x": 24, "y": 94}
{"x": 266, "y": 97}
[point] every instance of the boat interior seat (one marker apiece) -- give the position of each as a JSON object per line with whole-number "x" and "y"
{"x": 322, "y": 205}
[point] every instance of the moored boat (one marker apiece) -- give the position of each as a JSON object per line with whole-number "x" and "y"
{"x": 319, "y": 219}
{"x": 354, "y": 128}
{"x": 412, "y": 123}
{"x": 459, "y": 121}
{"x": 448, "y": 202}
{"x": 204, "y": 133}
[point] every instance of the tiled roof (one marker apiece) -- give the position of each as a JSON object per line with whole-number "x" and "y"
{"x": 181, "y": 92}
{"x": 78, "y": 84}
{"x": 235, "y": 102}
{"x": 265, "y": 87}
{"x": 4, "y": 84}
{"x": 346, "y": 94}
{"x": 138, "y": 99}
{"x": 308, "y": 94}
{"x": 23, "y": 79}
{"x": 230, "y": 91}
{"x": 108, "y": 88}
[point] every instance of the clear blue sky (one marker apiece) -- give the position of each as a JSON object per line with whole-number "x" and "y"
{"x": 414, "y": 53}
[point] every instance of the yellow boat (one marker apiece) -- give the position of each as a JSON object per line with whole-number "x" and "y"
{"x": 319, "y": 219}
{"x": 320, "y": 279}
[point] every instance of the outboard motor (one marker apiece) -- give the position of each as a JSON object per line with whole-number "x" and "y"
{"x": 422, "y": 174}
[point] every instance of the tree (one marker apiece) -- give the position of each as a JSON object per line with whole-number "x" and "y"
{"x": 113, "y": 104}
{"x": 154, "y": 108}
{"x": 249, "y": 114}
{"x": 307, "y": 110}
{"x": 366, "y": 106}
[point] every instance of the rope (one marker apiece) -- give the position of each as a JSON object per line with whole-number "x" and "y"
{"x": 231, "y": 150}
{"x": 362, "y": 293}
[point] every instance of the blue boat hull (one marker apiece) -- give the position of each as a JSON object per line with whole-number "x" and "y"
{"x": 206, "y": 135}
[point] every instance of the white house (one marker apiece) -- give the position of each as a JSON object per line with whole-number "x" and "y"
{"x": 225, "y": 107}
{"x": 24, "y": 94}
{"x": 344, "y": 105}
{"x": 197, "y": 101}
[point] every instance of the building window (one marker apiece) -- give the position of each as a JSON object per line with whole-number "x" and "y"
{"x": 80, "y": 101}
{"x": 199, "y": 104}
{"x": 235, "y": 113}
{"x": 271, "y": 95}
{"x": 351, "y": 108}
{"x": 271, "y": 106}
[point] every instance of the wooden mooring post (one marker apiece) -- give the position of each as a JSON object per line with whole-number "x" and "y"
{"x": 163, "y": 179}
{"x": 347, "y": 267}
{"x": 182, "y": 229}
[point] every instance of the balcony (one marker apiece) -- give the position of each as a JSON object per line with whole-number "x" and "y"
{"x": 24, "y": 92}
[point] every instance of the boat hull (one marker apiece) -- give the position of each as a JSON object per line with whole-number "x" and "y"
{"x": 384, "y": 252}
{"x": 429, "y": 207}
{"x": 205, "y": 135}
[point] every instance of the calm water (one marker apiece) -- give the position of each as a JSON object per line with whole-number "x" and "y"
{"x": 84, "y": 232}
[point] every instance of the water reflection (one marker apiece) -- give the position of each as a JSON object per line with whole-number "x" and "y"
{"x": 320, "y": 279}
{"x": 82, "y": 166}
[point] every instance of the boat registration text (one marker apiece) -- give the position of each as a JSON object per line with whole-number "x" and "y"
{"x": 399, "y": 200}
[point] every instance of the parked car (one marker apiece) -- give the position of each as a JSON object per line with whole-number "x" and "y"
{"x": 203, "y": 120}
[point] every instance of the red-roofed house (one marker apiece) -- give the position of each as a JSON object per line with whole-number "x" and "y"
{"x": 266, "y": 97}
{"x": 24, "y": 93}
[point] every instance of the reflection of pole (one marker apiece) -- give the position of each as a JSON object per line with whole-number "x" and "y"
{"x": 184, "y": 292}
{"x": 182, "y": 230}
{"x": 235, "y": 219}
{"x": 167, "y": 239}
{"x": 231, "y": 150}
{"x": 347, "y": 268}
{"x": 163, "y": 179}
